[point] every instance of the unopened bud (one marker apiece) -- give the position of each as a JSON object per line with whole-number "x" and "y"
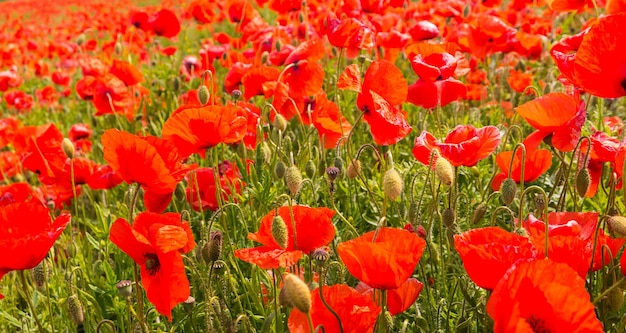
{"x": 320, "y": 255}
{"x": 280, "y": 123}
{"x": 479, "y": 213}
{"x": 40, "y": 274}
{"x": 279, "y": 232}
{"x": 615, "y": 299}
{"x": 75, "y": 309}
{"x": 618, "y": 225}
{"x": 125, "y": 288}
{"x": 189, "y": 304}
{"x": 392, "y": 184}
{"x": 175, "y": 83}
{"x": 583, "y": 179}
{"x": 203, "y": 94}
{"x": 279, "y": 169}
{"x": 310, "y": 169}
{"x": 212, "y": 250}
{"x": 297, "y": 293}
{"x": 508, "y": 191}
{"x": 444, "y": 171}
{"x": 354, "y": 169}
{"x": 68, "y": 147}
{"x": 338, "y": 163}
{"x": 236, "y": 94}
{"x": 80, "y": 40}
{"x": 448, "y": 217}
{"x": 293, "y": 178}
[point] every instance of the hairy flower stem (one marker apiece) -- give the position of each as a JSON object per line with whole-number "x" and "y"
{"x": 321, "y": 284}
{"x": 29, "y": 300}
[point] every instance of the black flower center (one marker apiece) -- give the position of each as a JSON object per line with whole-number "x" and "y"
{"x": 152, "y": 263}
{"x": 538, "y": 325}
{"x": 623, "y": 84}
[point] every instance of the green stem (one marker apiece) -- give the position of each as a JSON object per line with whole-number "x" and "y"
{"x": 29, "y": 300}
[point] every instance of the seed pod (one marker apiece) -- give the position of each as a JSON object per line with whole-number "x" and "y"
{"x": 40, "y": 274}
{"x": 320, "y": 255}
{"x": 280, "y": 123}
{"x": 332, "y": 173}
{"x": 479, "y": 213}
{"x": 618, "y": 225}
{"x": 279, "y": 231}
{"x": 203, "y": 94}
{"x": 293, "y": 178}
{"x": 354, "y": 169}
{"x": 236, "y": 94}
{"x": 583, "y": 179}
{"x": 75, "y": 309}
{"x": 279, "y": 169}
{"x": 68, "y": 147}
{"x": 448, "y": 217}
{"x": 508, "y": 191}
{"x": 125, "y": 288}
{"x": 444, "y": 171}
{"x": 297, "y": 293}
{"x": 310, "y": 169}
{"x": 392, "y": 184}
{"x": 189, "y": 304}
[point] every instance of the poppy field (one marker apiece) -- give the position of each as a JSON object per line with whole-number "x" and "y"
{"x": 312, "y": 166}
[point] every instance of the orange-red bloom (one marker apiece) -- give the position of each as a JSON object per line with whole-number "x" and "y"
{"x": 398, "y": 300}
{"x": 314, "y": 228}
{"x": 229, "y": 180}
{"x": 27, "y": 234}
{"x": 465, "y": 145}
{"x": 537, "y": 162}
{"x": 542, "y": 296}
{"x": 155, "y": 242}
{"x": 358, "y": 313}
{"x": 386, "y": 262}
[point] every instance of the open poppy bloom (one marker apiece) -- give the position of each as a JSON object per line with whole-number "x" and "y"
{"x": 385, "y": 263}
{"x": 358, "y": 313}
{"x": 603, "y": 149}
{"x": 382, "y": 89}
{"x": 465, "y": 145}
{"x": 536, "y": 163}
{"x": 152, "y": 162}
{"x": 26, "y": 244}
{"x": 436, "y": 84}
{"x": 398, "y": 300}
{"x": 556, "y": 115}
{"x": 194, "y": 129}
{"x": 155, "y": 242}
{"x": 542, "y": 296}
{"x": 593, "y": 60}
{"x": 348, "y": 33}
{"x": 314, "y": 228}
{"x": 126, "y": 72}
{"x": 229, "y": 180}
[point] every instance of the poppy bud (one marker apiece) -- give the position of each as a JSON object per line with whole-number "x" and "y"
{"x": 582, "y": 181}
{"x": 320, "y": 255}
{"x": 293, "y": 178}
{"x": 236, "y": 94}
{"x": 279, "y": 169}
{"x": 175, "y": 83}
{"x": 118, "y": 48}
{"x": 451, "y": 231}
{"x": 212, "y": 250}
{"x": 279, "y": 231}
{"x": 479, "y": 212}
{"x": 448, "y": 217}
{"x": 618, "y": 225}
{"x": 203, "y": 94}
{"x": 615, "y": 299}
{"x": 392, "y": 184}
{"x": 75, "y": 308}
{"x": 80, "y": 40}
{"x": 421, "y": 232}
{"x": 508, "y": 190}
{"x": 218, "y": 266}
{"x": 125, "y": 288}
{"x": 283, "y": 299}
{"x": 278, "y": 45}
{"x": 540, "y": 203}
{"x": 354, "y": 169}
{"x": 387, "y": 320}
{"x": 189, "y": 303}
{"x": 280, "y": 123}
{"x": 310, "y": 168}
{"x": 68, "y": 147}
{"x": 40, "y": 274}
{"x": 265, "y": 57}
{"x": 297, "y": 293}
{"x": 338, "y": 163}
{"x": 444, "y": 171}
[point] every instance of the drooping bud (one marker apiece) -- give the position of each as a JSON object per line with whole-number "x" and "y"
{"x": 583, "y": 180}
{"x": 540, "y": 203}
{"x": 279, "y": 169}
{"x": 508, "y": 191}
{"x": 310, "y": 169}
{"x": 448, "y": 217}
{"x": 203, "y": 94}
{"x": 75, "y": 309}
{"x": 444, "y": 171}
{"x": 175, "y": 83}
{"x": 479, "y": 213}
{"x": 189, "y": 304}
{"x": 212, "y": 250}
{"x": 618, "y": 225}
{"x": 615, "y": 299}
{"x": 68, "y": 147}
{"x": 338, "y": 163}
{"x": 279, "y": 231}
{"x": 40, "y": 274}
{"x": 354, "y": 169}
{"x": 125, "y": 288}
{"x": 297, "y": 293}
{"x": 280, "y": 123}
{"x": 293, "y": 178}
{"x": 392, "y": 184}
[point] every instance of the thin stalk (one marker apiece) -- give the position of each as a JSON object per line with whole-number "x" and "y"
{"x": 29, "y": 300}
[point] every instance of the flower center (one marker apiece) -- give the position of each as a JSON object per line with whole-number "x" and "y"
{"x": 623, "y": 84}
{"x": 152, "y": 263}
{"x": 538, "y": 325}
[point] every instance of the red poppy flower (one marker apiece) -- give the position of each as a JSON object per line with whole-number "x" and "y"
{"x": 254, "y": 79}
{"x": 314, "y": 229}
{"x": 424, "y": 30}
{"x": 40, "y": 147}
{"x": 194, "y": 129}
{"x": 542, "y": 296}
{"x": 229, "y": 180}
{"x": 26, "y": 244}
{"x": 164, "y": 23}
{"x": 9, "y": 79}
{"x": 557, "y": 115}
{"x": 488, "y": 34}
{"x": 126, "y": 72}
{"x": 358, "y": 313}
{"x": 383, "y": 88}
{"x": 536, "y": 163}
{"x": 385, "y": 263}
{"x": 398, "y": 300}
{"x": 103, "y": 178}
{"x": 110, "y": 95}
{"x": 603, "y": 149}
{"x": 465, "y": 145}
{"x": 592, "y": 60}
{"x": 491, "y": 247}
{"x": 348, "y": 33}
{"x": 155, "y": 242}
